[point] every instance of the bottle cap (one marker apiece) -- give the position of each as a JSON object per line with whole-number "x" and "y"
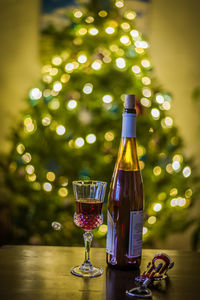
{"x": 129, "y": 102}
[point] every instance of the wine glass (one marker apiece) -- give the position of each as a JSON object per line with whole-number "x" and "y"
{"x": 89, "y": 197}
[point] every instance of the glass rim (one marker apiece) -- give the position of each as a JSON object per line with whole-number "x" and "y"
{"x": 89, "y": 182}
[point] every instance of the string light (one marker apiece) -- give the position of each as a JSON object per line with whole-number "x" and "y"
{"x": 76, "y": 64}
{"x": 82, "y": 31}
{"x": 60, "y": 130}
{"x": 178, "y": 202}
{"x": 103, "y": 229}
{"x": 187, "y": 171}
{"x": 144, "y": 230}
{"x": 46, "y": 68}
{"x": 168, "y": 122}
{"x": 93, "y": 31}
{"x": 26, "y": 157}
{"x": 134, "y": 33}
{"x": 157, "y": 207}
{"x": 174, "y": 202}
{"x": 139, "y": 50}
{"x": 31, "y": 177}
{"x": 141, "y": 44}
{"x": 136, "y": 69}
{"x": 82, "y": 59}
{"x": 188, "y": 193}
{"x": 157, "y": 171}
{"x": 63, "y": 192}
{"x": 56, "y": 60}
{"x": 125, "y": 26}
{"x": 181, "y": 202}
{"x": 29, "y": 126}
{"x": 47, "y": 187}
{"x": 69, "y": 67}
{"x": 160, "y": 99}
{"x": 51, "y": 176}
{"x": 155, "y": 113}
{"x": 65, "y": 78}
{"x": 87, "y": 89}
{"x": 54, "y": 104}
{"x": 30, "y": 169}
{"x": 119, "y": 4}
{"x": 145, "y": 102}
{"x": 141, "y": 164}
{"x": 109, "y": 30}
{"x": 125, "y": 39}
{"x": 53, "y": 72}
{"x": 35, "y": 94}
{"x": 20, "y": 148}
{"x": 46, "y": 120}
{"x": 146, "y": 80}
{"x": 169, "y": 168}
{"x": 146, "y": 92}
{"x": 152, "y": 220}
{"x": 120, "y": 62}
{"x": 57, "y": 86}
{"x": 91, "y": 138}
{"x": 47, "y": 78}
{"x": 165, "y": 106}
{"x": 72, "y": 104}
{"x": 78, "y": 14}
{"x": 176, "y": 165}
{"x": 178, "y": 157}
{"x": 145, "y": 63}
{"x": 141, "y": 150}
{"x": 113, "y": 48}
{"x": 107, "y": 99}
{"x": 173, "y": 192}
{"x": 130, "y": 15}
{"x": 47, "y": 93}
{"x": 89, "y": 20}
{"x": 102, "y": 13}
{"x": 96, "y": 65}
{"x": 79, "y": 142}
{"x": 109, "y": 136}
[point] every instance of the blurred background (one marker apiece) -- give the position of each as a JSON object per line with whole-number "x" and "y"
{"x": 171, "y": 28}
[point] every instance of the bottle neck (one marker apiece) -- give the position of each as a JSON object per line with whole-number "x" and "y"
{"x": 128, "y": 125}
{"x": 127, "y": 156}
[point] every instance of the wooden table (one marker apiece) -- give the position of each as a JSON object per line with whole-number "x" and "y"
{"x": 43, "y": 273}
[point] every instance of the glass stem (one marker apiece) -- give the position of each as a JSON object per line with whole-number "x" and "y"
{"x": 87, "y": 240}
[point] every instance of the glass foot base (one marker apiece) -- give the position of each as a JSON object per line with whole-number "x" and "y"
{"x": 93, "y": 272}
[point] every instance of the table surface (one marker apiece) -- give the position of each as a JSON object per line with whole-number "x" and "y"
{"x": 43, "y": 272}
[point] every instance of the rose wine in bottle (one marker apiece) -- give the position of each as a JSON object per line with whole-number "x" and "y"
{"x": 125, "y": 200}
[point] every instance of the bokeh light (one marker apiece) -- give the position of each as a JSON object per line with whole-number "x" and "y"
{"x": 60, "y": 130}
{"x": 91, "y": 138}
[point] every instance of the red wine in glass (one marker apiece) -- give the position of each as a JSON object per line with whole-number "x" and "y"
{"x": 88, "y": 213}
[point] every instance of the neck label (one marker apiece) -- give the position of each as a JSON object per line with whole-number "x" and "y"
{"x": 129, "y": 125}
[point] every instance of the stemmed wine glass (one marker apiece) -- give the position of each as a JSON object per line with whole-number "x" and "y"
{"x": 89, "y": 197}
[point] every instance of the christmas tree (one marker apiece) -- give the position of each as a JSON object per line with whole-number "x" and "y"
{"x": 72, "y": 129}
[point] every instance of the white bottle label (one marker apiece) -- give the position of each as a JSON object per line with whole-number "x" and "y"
{"x": 110, "y": 234}
{"x": 135, "y": 233}
{"x": 128, "y": 125}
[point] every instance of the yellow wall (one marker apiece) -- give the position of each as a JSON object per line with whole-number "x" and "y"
{"x": 175, "y": 52}
{"x": 19, "y": 65}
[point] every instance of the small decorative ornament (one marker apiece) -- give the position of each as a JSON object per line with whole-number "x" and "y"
{"x": 156, "y": 270}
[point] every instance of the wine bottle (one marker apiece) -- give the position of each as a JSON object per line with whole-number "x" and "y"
{"x": 125, "y": 200}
